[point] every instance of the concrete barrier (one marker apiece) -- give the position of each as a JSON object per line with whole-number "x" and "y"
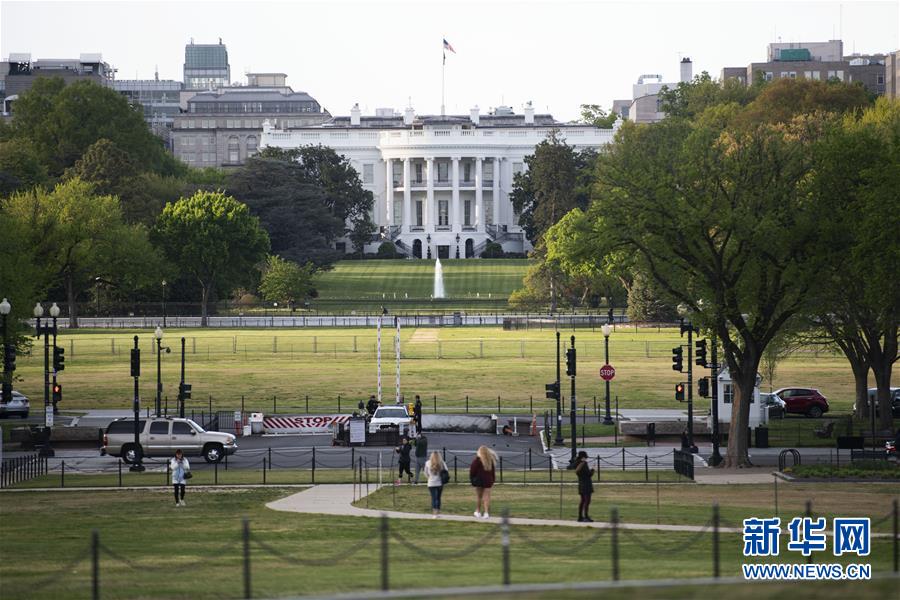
{"x": 662, "y": 427}
{"x": 458, "y": 423}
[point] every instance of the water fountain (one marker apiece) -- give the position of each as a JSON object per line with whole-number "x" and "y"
{"x": 438, "y": 280}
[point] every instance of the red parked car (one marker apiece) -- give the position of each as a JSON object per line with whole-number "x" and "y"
{"x": 803, "y": 401}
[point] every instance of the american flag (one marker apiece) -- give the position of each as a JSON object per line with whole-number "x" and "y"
{"x": 447, "y": 46}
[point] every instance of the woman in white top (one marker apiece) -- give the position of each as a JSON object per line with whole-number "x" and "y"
{"x": 433, "y": 471}
{"x": 180, "y": 467}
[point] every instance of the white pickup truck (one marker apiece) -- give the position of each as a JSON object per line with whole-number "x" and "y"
{"x": 390, "y": 416}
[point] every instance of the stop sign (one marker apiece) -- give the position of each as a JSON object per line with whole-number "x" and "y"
{"x": 607, "y": 372}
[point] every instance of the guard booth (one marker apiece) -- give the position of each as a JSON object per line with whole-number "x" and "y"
{"x": 758, "y": 413}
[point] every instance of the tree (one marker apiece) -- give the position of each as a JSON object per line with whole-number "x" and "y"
{"x": 557, "y": 180}
{"x": 646, "y": 302}
{"x": 592, "y": 114}
{"x": 689, "y": 99}
{"x": 285, "y": 281}
{"x": 23, "y": 278}
{"x": 719, "y": 217}
{"x": 80, "y": 236}
{"x": 63, "y": 121}
{"x": 20, "y": 167}
{"x": 215, "y": 239}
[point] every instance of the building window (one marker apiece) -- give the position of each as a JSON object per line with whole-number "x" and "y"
{"x": 252, "y": 145}
{"x": 443, "y": 213}
{"x": 467, "y": 213}
{"x": 398, "y": 212}
{"x": 418, "y": 220}
{"x": 234, "y": 150}
{"x": 487, "y": 171}
{"x": 879, "y": 79}
{"x": 728, "y": 395}
{"x": 368, "y": 173}
{"x": 443, "y": 171}
{"x": 489, "y": 213}
{"x": 467, "y": 172}
{"x": 418, "y": 172}
{"x": 769, "y": 75}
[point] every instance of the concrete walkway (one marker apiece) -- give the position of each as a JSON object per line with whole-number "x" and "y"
{"x": 733, "y": 476}
{"x": 337, "y": 499}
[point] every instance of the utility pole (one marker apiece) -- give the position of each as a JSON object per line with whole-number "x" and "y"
{"x": 559, "y": 438}
{"x": 715, "y": 458}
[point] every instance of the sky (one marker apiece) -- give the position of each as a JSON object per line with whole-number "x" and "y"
{"x": 557, "y": 54}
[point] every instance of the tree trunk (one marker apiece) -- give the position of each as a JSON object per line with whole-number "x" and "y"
{"x": 73, "y": 306}
{"x": 882, "y": 357}
{"x": 861, "y": 379}
{"x": 204, "y": 299}
{"x": 744, "y": 381}
{"x": 883, "y": 396}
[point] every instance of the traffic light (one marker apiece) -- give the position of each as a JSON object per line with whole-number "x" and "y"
{"x": 57, "y": 393}
{"x": 700, "y": 351}
{"x": 703, "y": 387}
{"x": 677, "y": 358}
{"x": 135, "y": 362}
{"x": 570, "y": 362}
{"x": 184, "y": 390}
{"x": 59, "y": 358}
{"x": 552, "y": 391}
{"x": 9, "y": 358}
{"x": 679, "y": 392}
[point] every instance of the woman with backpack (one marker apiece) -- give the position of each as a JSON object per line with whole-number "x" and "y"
{"x": 181, "y": 472}
{"x": 437, "y": 475}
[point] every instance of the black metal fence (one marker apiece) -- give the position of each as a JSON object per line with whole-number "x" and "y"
{"x": 382, "y": 539}
{"x": 22, "y": 468}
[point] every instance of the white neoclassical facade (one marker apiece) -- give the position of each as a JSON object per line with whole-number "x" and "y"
{"x": 441, "y": 183}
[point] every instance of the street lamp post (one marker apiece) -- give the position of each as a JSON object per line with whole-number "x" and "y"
{"x": 5, "y": 309}
{"x": 158, "y": 334}
{"x": 164, "y": 302}
{"x": 46, "y": 331}
{"x": 559, "y": 438}
{"x": 572, "y": 412}
{"x": 457, "y": 245}
{"x": 137, "y": 464}
{"x": 607, "y": 419}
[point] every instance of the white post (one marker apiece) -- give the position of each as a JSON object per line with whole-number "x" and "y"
{"x": 479, "y": 202}
{"x": 397, "y": 352}
{"x": 378, "y": 359}
{"x": 454, "y": 203}
{"x": 429, "y": 195}
{"x": 495, "y": 219}
{"x": 389, "y": 193}
{"x": 407, "y": 197}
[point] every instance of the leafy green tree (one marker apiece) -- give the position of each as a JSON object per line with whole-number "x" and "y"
{"x": 105, "y": 165}
{"x": 557, "y": 180}
{"x": 213, "y": 238}
{"x": 689, "y": 99}
{"x": 647, "y": 303}
{"x": 23, "y": 278}
{"x": 782, "y": 100}
{"x": 20, "y": 167}
{"x": 80, "y": 236}
{"x": 64, "y": 121}
{"x": 286, "y": 281}
{"x": 592, "y": 114}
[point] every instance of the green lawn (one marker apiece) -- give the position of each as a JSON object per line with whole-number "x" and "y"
{"x": 150, "y": 549}
{"x": 447, "y": 363}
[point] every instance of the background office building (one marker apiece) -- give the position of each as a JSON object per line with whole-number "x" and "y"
{"x": 206, "y": 66}
{"x": 158, "y": 99}
{"x": 222, "y": 127}
{"x": 19, "y": 72}
{"x": 441, "y": 183}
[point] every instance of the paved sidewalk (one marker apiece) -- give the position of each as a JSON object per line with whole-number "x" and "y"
{"x": 733, "y": 476}
{"x": 336, "y": 499}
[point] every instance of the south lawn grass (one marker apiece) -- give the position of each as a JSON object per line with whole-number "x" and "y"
{"x": 150, "y": 549}
{"x": 414, "y": 279}
{"x": 679, "y": 504}
{"x": 447, "y": 363}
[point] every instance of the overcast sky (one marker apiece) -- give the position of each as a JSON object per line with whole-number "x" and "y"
{"x": 559, "y": 54}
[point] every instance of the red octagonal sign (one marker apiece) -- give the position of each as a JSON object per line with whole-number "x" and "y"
{"x": 607, "y": 372}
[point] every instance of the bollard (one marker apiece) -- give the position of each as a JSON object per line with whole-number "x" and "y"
{"x": 504, "y": 533}
{"x": 385, "y": 584}
{"x": 467, "y": 404}
{"x": 339, "y": 403}
{"x": 247, "y": 559}
{"x": 715, "y": 539}
{"x": 623, "y": 459}
{"x": 598, "y": 468}
{"x": 314, "y": 465}
{"x": 444, "y": 453}
{"x": 95, "y": 564}
{"x": 275, "y": 404}
{"x": 614, "y": 530}
{"x": 501, "y": 468}
{"x": 646, "y": 470}
{"x": 435, "y": 404}
{"x": 529, "y": 459}
{"x": 307, "y": 403}
{"x": 120, "y": 472}
{"x": 455, "y": 478}
{"x": 264, "y": 470}
{"x": 531, "y": 404}
{"x": 270, "y": 456}
{"x": 498, "y": 405}
{"x": 62, "y": 475}
{"x": 657, "y": 498}
{"x": 216, "y": 473}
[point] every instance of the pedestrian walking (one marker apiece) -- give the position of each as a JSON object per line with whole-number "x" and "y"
{"x": 417, "y": 413}
{"x": 181, "y": 472}
{"x": 481, "y": 475}
{"x": 585, "y": 486}
{"x": 403, "y": 462}
{"x": 437, "y": 475}
{"x": 421, "y": 454}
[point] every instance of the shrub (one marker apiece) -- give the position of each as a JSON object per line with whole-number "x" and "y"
{"x": 387, "y": 250}
{"x": 492, "y": 250}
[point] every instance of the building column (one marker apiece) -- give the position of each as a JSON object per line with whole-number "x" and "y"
{"x": 407, "y": 197}
{"x": 455, "y": 220}
{"x": 496, "y": 206}
{"x": 428, "y": 212}
{"x": 389, "y": 193}
{"x": 479, "y": 201}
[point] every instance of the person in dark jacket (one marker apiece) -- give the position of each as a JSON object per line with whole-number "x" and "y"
{"x": 417, "y": 413}
{"x": 404, "y": 460}
{"x": 421, "y": 454}
{"x": 585, "y": 486}
{"x": 482, "y": 474}
{"x": 372, "y": 405}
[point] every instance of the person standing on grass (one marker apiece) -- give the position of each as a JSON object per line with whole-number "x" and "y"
{"x": 421, "y": 454}
{"x": 585, "y": 486}
{"x": 435, "y": 470}
{"x": 482, "y": 474}
{"x": 181, "y": 472}
{"x": 404, "y": 460}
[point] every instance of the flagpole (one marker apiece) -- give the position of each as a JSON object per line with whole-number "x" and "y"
{"x": 443, "y": 69}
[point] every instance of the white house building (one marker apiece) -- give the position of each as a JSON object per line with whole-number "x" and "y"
{"x": 441, "y": 183}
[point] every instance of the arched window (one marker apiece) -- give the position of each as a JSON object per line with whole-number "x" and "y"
{"x": 252, "y": 145}
{"x": 234, "y": 150}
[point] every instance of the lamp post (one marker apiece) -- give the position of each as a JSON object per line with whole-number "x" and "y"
{"x": 46, "y": 331}
{"x": 457, "y": 245}
{"x": 573, "y": 410}
{"x": 428, "y": 243}
{"x": 607, "y": 419}
{"x": 559, "y": 438}
{"x": 97, "y": 293}
{"x": 8, "y": 366}
{"x": 158, "y": 335}
{"x": 688, "y": 327}
{"x": 164, "y": 302}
